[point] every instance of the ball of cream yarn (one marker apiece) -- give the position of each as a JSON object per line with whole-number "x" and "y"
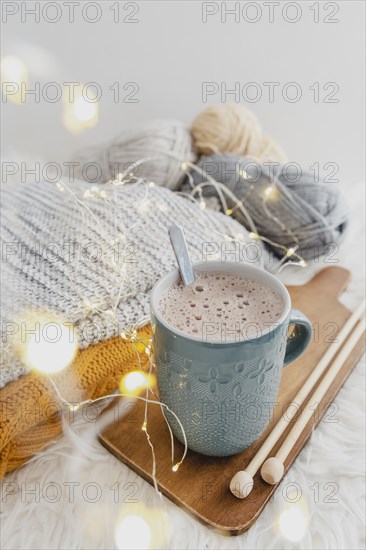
{"x": 165, "y": 143}
{"x": 232, "y": 128}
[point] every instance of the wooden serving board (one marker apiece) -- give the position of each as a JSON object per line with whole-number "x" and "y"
{"x": 201, "y": 485}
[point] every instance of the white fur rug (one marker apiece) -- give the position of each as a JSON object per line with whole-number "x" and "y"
{"x": 48, "y": 503}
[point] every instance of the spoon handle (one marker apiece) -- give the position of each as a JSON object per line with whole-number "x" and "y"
{"x": 181, "y": 253}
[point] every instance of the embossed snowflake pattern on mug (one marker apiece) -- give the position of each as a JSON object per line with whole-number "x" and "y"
{"x": 176, "y": 363}
{"x": 213, "y": 379}
{"x": 261, "y": 370}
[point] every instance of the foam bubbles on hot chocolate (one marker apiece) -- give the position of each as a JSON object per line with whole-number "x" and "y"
{"x": 221, "y": 307}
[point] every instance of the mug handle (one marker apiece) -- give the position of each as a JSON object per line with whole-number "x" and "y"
{"x": 300, "y": 337}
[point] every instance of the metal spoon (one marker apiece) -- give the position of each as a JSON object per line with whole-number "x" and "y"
{"x": 181, "y": 253}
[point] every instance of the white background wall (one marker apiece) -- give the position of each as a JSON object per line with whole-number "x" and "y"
{"x": 169, "y": 52}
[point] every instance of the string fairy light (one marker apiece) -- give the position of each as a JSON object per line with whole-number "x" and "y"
{"x": 107, "y": 193}
{"x": 93, "y": 306}
{"x": 75, "y": 406}
{"x": 128, "y": 177}
{"x": 109, "y": 311}
{"x": 290, "y": 252}
{"x": 144, "y": 425}
{"x": 269, "y": 192}
{"x": 279, "y": 222}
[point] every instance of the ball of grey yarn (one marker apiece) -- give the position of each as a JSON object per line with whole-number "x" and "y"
{"x": 166, "y": 144}
{"x": 313, "y": 211}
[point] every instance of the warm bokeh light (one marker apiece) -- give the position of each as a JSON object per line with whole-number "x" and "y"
{"x": 139, "y": 527}
{"x": 293, "y": 523}
{"x": 79, "y": 112}
{"x": 83, "y": 110}
{"x": 13, "y": 73}
{"x": 12, "y": 68}
{"x": 46, "y": 344}
{"x": 133, "y": 532}
{"x": 293, "y": 520}
{"x": 133, "y": 382}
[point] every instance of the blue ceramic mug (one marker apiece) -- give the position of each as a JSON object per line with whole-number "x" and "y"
{"x": 224, "y": 393}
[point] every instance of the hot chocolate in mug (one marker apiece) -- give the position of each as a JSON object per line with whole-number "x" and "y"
{"x": 224, "y": 392}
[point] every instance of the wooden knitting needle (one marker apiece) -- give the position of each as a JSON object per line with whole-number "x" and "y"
{"x": 273, "y": 469}
{"x": 241, "y": 484}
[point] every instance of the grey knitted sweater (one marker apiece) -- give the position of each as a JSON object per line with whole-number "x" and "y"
{"x": 90, "y": 257}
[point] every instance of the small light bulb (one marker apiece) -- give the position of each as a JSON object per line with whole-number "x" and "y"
{"x": 110, "y": 314}
{"x": 202, "y": 205}
{"x": 290, "y": 252}
{"x": 175, "y": 467}
{"x": 50, "y": 345}
{"x": 144, "y": 426}
{"x": 119, "y": 180}
{"x": 253, "y": 235}
{"x": 268, "y": 191}
{"x": 184, "y": 166}
{"x": 229, "y": 212}
{"x": 132, "y": 383}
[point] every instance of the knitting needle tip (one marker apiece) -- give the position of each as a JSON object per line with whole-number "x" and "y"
{"x": 241, "y": 484}
{"x": 272, "y": 470}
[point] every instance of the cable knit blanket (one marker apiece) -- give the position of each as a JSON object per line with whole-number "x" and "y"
{"x": 93, "y": 254}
